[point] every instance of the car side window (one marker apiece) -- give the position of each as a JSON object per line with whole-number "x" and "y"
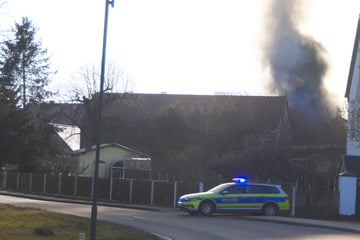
{"x": 262, "y": 190}
{"x": 273, "y": 190}
{"x": 236, "y": 189}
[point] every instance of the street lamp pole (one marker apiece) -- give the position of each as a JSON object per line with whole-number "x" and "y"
{"x": 98, "y": 126}
{"x": 24, "y": 79}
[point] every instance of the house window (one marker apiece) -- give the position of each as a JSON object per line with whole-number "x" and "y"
{"x": 118, "y": 170}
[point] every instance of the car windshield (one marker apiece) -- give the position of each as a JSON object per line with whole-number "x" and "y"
{"x": 220, "y": 187}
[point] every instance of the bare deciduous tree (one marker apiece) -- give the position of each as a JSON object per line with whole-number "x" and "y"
{"x": 2, "y": 6}
{"x": 86, "y": 83}
{"x": 85, "y": 89}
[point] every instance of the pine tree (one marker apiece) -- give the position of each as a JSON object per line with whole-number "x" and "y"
{"x": 25, "y": 133}
{"x": 25, "y": 63}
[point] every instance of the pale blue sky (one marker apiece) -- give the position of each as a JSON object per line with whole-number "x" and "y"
{"x": 180, "y": 46}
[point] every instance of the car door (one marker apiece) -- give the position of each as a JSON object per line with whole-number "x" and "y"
{"x": 257, "y": 195}
{"x": 232, "y": 198}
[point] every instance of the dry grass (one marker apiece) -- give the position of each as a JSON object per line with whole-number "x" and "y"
{"x": 33, "y": 224}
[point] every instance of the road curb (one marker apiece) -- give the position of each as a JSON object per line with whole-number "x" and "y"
{"x": 331, "y": 225}
{"x": 78, "y": 201}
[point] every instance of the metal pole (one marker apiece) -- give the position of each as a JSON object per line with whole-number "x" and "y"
{"x": 30, "y": 184}
{"x": 98, "y": 127}
{"x": 175, "y": 193}
{"x": 17, "y": 180}
{"x": 59, "y": 186}
{"x": 131, "y": 190}
{"x": 75, "y": 185}
{"x": 44, "y": 186}
{"x": 5, "y": 180}
{"x": 111, "y": 183}
{"x": 293, "y": 202}
{"x": 24, "y": 79}
{"x": 201, "y": 186}
{"x": 152, "y": 192}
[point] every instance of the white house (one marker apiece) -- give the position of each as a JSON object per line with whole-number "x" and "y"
{"x": 349, "y": 168}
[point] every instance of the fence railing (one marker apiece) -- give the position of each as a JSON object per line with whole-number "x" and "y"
{"x": 153, "y": 192}
{"x": 319, "y": 203}
{"x": 322, "y": 202}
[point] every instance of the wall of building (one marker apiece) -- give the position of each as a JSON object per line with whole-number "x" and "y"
{"x": 353, "y": 146}
{"x": 108, "y": 155}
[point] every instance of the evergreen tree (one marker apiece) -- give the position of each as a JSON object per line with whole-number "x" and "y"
{"x": 25, "y": 63}
{"x": 26, "y": 134}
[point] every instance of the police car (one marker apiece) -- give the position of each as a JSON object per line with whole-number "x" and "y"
{"x": 237, "y": 196}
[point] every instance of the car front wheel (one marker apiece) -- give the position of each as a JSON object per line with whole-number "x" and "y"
{"x": 207, "y": 208}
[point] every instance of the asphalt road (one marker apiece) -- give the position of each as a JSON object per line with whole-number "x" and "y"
{"x": 171, "y": 224}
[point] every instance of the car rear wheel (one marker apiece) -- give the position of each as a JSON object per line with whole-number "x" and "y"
{"x": 207, "y": 208}
{"x": 270, "y": 209}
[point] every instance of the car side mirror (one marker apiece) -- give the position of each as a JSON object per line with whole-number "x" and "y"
{"x": 225, "y": 192}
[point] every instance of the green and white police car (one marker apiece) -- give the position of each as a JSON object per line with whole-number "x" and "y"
{"x": 237, "y": 196}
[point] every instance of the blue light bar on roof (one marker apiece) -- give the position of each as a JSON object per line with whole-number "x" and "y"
{"x": 240, "y": 180}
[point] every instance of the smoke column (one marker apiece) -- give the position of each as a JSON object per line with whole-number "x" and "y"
{"x": 296, "y": 62}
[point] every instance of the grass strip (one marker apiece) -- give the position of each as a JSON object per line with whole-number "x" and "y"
{"x": 34, "y": 224}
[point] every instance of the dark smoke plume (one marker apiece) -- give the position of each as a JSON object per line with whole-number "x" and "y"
{"x": 296, "y": 62}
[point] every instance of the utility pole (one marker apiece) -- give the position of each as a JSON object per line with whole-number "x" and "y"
{"x": 23, "y": 78}
{"x": 98, "y": 126}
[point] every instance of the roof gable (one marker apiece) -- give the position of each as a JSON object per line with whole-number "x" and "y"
{"x": 353, "y": 60}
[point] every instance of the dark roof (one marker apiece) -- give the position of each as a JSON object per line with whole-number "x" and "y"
{"x": 64, "y": 113}
{"x": 353, "y": 59}
{"x": 349, "y": 166}
{"x": 266, "y": 111}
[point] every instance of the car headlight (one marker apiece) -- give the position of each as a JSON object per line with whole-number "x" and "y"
{"x": 184, "y": 199}
{"x": 188, "y": 199}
